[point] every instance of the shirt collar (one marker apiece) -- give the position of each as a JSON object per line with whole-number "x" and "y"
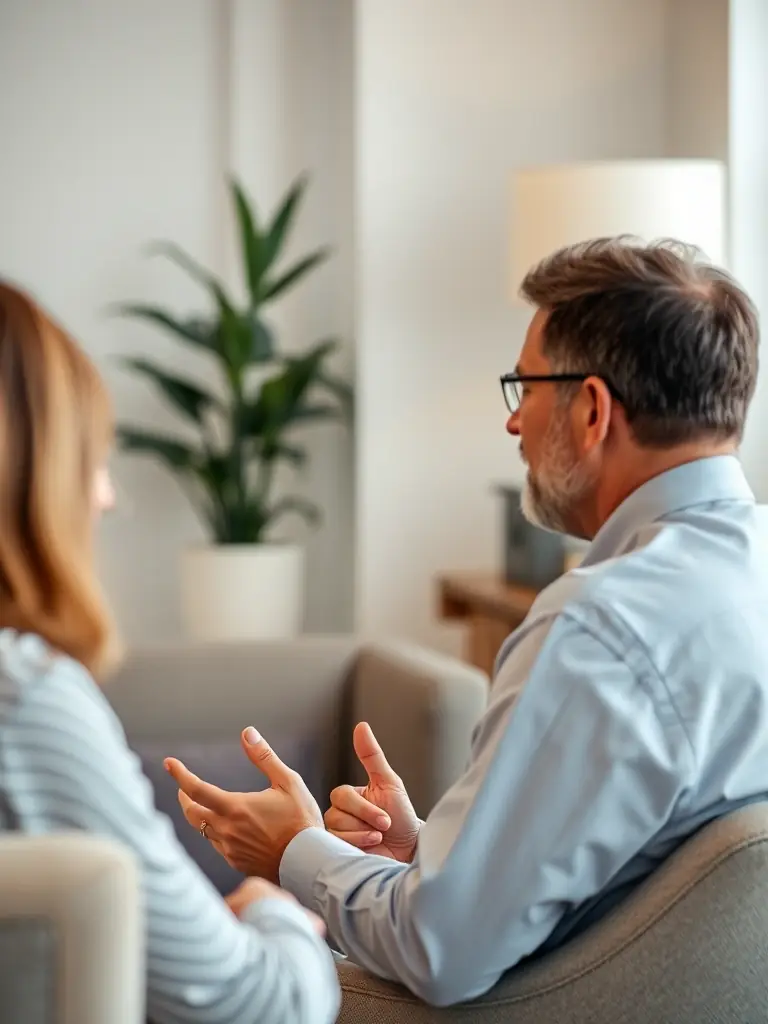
{"x": 716, "y": 478}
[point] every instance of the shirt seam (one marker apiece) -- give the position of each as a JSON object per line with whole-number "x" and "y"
{"x": 619, "y": 655}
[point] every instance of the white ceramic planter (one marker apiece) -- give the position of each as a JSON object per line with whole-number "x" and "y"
{"x": 242, "y": 591}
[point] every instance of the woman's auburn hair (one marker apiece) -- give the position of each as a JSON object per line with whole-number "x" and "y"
{"x": 55, "y": 432}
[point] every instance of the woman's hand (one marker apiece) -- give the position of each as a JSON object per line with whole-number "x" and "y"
{"x": 250, "y": 830}
{"x": 253, "y": 890}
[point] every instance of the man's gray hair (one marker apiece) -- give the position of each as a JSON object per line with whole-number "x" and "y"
{"x": 674, "y": 336}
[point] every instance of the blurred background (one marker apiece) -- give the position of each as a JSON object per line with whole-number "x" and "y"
{"x": 121, "y": 122}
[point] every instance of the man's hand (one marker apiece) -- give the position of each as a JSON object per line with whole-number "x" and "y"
{"x": 383, "y": 805}
{"x": 253, "y": 890}
{"x": 250, "y": 830}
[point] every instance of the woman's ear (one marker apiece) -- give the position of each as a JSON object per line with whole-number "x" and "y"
{"x": 103, "y": 491}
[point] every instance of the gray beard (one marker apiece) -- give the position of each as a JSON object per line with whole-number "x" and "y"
{"x": 539, "y": 511}
{"x": 549, "y": 501}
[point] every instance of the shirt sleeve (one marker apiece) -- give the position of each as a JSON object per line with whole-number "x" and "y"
{"x": 577, "y": 763}
{"x": 64, "y": 764}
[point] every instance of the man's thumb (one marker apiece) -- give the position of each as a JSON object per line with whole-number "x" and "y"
{"x": 370, "y": 754}
{"x": 263, "y": 756}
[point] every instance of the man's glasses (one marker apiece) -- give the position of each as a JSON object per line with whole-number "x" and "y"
{"x": 512, "y": 385}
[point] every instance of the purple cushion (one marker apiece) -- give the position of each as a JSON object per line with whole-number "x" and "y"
{"x": 222, "y": 762}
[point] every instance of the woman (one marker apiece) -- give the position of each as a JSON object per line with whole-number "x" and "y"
{"x": 64, "y": 762}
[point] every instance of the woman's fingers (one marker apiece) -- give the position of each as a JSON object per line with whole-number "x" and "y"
{"x": 349, "y": 800}
{"x": 196, "y": 788}
{"x": 197, "y": 815}
{"x": 194, "y": 812}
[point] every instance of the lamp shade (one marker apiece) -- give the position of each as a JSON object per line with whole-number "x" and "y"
{"x": 562, "y": 204}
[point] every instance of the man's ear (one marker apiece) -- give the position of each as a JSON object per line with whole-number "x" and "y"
{"x": 594, "y": 406}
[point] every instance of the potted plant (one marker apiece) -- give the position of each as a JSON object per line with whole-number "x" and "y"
{"x": 241, "y": 584}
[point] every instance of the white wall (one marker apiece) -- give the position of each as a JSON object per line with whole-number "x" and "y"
{"x": 118, "y": 121}
{"x": 123, "y": 117}
{"x": 748, "y": 167}
{"x": 291, "y": 75}
{"x": 697, "y": 79}
{"x": 718, "y": 107}
{"x": 447, "y": 106}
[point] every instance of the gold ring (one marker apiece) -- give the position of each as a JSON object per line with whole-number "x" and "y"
{"x": 203, "y": 827}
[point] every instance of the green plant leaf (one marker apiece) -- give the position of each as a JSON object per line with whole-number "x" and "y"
{"x": 253, "y": 418}
{"x": 234, "y": 334}
{"x": 187, "y": 397}
{"x": 306, "y": 509}
{"x": 233, "y": 485}
{"x": 290, "y": 277}
{"x": 305, "y": 413}
{"x": 317, "y": 353}
{"x": 282, "y": 222}
{"x": 245, "y": 522}
{"x": 341, "y": 389}
{"x": 213, "y": 472}
{"x": 264, "y": 416}
{"x": 282, "y": 398}
{"x": 301, "y": 372}
{"x": 175, "y": 454}
{"x": 262, "y": 347}
{"x": 191, "y": 266}
{"x": 195, "y": 329}
{"x": 289, "y": 452}
{"x": 252, "y": 243}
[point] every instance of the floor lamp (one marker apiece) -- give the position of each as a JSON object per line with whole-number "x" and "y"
{"x": 559, "y": 204}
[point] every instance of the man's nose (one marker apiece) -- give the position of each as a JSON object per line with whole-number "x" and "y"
{"x": 513, "y": 424}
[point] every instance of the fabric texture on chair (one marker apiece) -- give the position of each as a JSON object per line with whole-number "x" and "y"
{"x": 27, "y": 971}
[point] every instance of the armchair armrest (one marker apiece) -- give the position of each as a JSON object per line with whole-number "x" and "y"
{"x": 71, "y": 931}
{"x": 368, "y": 998}
{"x": 423, "y": 707}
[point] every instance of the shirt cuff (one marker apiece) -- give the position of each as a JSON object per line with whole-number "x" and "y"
{"x": 305, "y": 857}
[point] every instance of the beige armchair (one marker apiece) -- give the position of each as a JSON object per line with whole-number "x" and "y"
{"x": 690, "y": 946}
{"x": 71, "y": 932}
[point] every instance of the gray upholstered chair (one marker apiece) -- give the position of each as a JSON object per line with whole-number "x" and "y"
{"x": 71, "y": 932}
{"x": 689, "y": 947}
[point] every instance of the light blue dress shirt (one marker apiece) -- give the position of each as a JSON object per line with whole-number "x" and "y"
{"x": 630, "y": 708}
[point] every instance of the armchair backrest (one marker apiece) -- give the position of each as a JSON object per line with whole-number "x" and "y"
{"x": 690, "y": 945}
{"x": 192, "y": 701}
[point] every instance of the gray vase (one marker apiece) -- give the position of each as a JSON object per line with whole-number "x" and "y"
{"x": 532, "y": 556}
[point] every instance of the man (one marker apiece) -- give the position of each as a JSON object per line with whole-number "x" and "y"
{"x": 631, "y": 706}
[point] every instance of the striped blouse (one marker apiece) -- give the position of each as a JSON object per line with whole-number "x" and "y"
{"x": 64, "y": 765}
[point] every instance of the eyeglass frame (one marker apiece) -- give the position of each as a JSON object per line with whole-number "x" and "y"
{"x": 522, "y": 378}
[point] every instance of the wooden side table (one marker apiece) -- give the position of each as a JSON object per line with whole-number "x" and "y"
{"x": 490, "y": 607}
